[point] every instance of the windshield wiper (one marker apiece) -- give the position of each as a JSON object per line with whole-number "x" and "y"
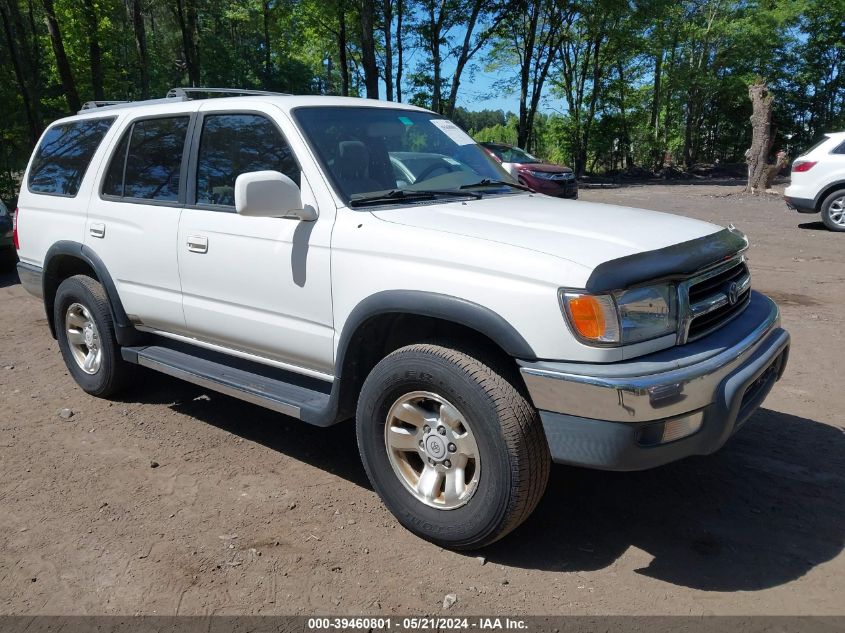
{"x": 487, "y": 182}
{"x": 410, "y": 195}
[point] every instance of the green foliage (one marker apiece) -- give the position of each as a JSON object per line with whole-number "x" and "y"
{"x": 634, "y": 83}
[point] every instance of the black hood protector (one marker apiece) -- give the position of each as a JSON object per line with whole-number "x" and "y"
{"x": 672, "y": 262}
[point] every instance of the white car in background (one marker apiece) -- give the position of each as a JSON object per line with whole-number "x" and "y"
{"x": 818, "y": 181}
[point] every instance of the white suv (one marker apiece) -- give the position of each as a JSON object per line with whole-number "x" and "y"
{"x": 818, "y": 181}
{"x": 336, "y": 258}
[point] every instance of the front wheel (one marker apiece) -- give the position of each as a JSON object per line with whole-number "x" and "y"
{"x": 454, "y": 450}
{"x": 833, "y": 211}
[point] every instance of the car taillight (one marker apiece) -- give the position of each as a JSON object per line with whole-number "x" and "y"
{"x": 803, "y": 165}
{"x": 15, "y": 230}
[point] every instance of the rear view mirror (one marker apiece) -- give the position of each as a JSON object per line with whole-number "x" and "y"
{"x": 270, "y": 194}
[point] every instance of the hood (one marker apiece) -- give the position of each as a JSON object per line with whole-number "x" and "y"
{"x": 586, "y": 233}
{"x": 545, "y": 167}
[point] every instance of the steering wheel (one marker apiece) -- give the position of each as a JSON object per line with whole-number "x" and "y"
{"x": 426, "y": 173}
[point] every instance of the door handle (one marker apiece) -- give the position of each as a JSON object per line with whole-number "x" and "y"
{"x": 97, "y": 229}
{"x": 197, "y": 244}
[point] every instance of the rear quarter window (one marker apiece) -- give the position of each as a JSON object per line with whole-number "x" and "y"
{"x": 63, "y": 156}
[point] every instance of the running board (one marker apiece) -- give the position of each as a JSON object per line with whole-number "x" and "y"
{"x": 251, "y": 382}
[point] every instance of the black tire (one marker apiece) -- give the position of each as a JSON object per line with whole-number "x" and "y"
{"x": 838, "y": 195}
{"x": 114, "y": 373}
{"x": 514, "y": 454}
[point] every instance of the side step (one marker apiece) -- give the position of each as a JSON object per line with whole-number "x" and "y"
{"x": 255, "y": 383}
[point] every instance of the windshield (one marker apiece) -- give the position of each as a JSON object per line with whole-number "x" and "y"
{"x": 508, "y": 154}
{"x": 367, "y": 150}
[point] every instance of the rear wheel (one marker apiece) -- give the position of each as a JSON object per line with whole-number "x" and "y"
{"x": 833, "y": 211}
{"x": 456, "y": 453}
{"x": 85, "y": 332}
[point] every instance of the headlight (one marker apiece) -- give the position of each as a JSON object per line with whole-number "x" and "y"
{"x": 630, "y": 316}
{"x": 647, "y": 313}
{"x": 545, "y": 175}
{"x": 551, "y": 175}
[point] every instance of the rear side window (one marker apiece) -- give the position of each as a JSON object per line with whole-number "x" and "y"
{"x": 147, "y": 162}
{"x": 64, "y": 154}
{"x": 234, "y": 144}
{"x": 840, "y": 149}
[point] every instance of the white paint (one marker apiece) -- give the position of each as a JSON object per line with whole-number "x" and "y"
{"x": 282, "y": 290}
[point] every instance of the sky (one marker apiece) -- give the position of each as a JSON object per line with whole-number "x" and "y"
{"x": 477, "y": 90}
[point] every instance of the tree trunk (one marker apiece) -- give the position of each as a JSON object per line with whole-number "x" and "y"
{"x": 343, "y": 60}
{"x": 761, "y": 137}
{"x": 466, "y": 52}
{"x": 62, "y": 65}
{"x": 527, "y": 57}
{"x": 92, "y": 25}
{"x": 186, "y": 14}
{"x": 435, "y": 32}
{"x": 388, "y": 49}
{"x": 133, "y": 7}
{"x": 594, "y": 95}
{"x": 22, "y": 65}
{"x": 268, "y": 60}
{"x": 654, "y": 121}
{"x": 400, "y": 12}
{"x": 368, "y": 48}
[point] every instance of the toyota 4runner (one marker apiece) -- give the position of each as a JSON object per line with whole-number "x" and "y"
{"x": 335, "y": 258}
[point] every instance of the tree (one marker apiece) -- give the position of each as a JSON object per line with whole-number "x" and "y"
{"x": 473, "y": 43}
{"x": 186, "y": 15}
{"x": 62, "y": 65}
{"x": 95, "y": 59}
{"x": 136, "y": 17}
{"x": 368, "y": 48}
{"x": 531, "y": 33}
{"x": 23, "y": 62}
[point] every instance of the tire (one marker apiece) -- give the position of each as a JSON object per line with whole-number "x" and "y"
{"x": 81, "y": 300}
{"x": 511, "y": 469}
{"x": 833, "y": 211}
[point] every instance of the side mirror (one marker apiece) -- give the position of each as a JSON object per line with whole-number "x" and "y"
{"x": 270, "y": 194}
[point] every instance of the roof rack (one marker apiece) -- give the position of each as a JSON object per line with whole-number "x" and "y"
{"x": 176, "y": 95}
{"x": 186, "y": 93}
{"x": 90, "y": 105}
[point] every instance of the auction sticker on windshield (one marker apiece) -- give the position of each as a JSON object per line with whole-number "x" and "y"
{"x": 452, "y": 131}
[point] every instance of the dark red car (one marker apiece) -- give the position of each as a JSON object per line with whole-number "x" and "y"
{"x": 552, "y": 180}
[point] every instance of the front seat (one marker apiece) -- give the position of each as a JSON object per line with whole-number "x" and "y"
{"x": 353, "y": 168}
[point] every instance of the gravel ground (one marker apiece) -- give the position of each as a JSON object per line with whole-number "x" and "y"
{"x": 177, "y": 500}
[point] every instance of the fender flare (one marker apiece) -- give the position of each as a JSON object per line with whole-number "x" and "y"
{"x": 431, "y": 304}
{"x": 125, "y": 332}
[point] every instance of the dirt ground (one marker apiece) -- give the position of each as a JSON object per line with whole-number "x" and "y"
{"x": 178, "y": 500}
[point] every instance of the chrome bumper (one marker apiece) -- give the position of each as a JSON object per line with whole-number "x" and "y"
{"x": 661, "y": 385}
{"x": 687, "y": 400}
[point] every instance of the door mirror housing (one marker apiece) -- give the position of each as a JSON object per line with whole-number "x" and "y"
{"x": 270, "y": 194}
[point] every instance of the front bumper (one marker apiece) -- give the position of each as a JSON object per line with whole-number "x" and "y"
{"x": 605, "y": 416}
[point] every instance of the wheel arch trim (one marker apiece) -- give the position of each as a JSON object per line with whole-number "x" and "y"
{"x": 435, "y": 305}
{"x": 124, "y": 330}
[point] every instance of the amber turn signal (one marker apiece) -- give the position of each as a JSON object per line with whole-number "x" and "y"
{"x": 587, "y": 316}
{"x": 592, "y": 317}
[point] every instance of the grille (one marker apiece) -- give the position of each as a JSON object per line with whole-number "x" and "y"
{"x": 717, "y": 297}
